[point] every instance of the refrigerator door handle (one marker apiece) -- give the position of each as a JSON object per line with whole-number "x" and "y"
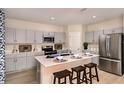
{"x": 108, "y": 46}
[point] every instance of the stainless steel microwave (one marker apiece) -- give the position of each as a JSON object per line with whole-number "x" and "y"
{"x": 48, "y": 39}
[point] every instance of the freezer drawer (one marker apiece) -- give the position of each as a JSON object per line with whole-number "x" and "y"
{"x": 110, "y": 65}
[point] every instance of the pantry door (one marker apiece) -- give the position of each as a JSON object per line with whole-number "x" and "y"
{"x": 75, "y": 41}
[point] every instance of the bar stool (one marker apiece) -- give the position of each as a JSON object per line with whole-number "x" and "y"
{"x": 90, "y": 66}
{"x": 62, "y": 74}
{"x": 78, "y": 71}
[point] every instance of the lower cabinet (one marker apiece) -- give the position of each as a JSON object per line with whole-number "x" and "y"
{"x": 18, "y": 63}
{"x": 10, "y": 64}
{"x": 31, "y": 62}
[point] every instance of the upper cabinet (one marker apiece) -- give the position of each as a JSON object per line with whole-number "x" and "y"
{"x": 96, "y": 35}
{"x": 92, "y": 37}
{"x": 30, "y": 36}
{"x": 59, "y": 37}
{"x": 89, "y": 37}
{"x": 111, "y": 31}
{"x": 39, "y": 37}
{"x": 15, "y": 35}
{"x": 10, "y": 35}
{"x": 48, "y": 34}
{"x": 20, "y": 36}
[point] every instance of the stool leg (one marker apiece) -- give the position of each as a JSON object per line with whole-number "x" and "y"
{"x": 85, "y": 75}
{"x": 58, "y": 80}
{"x": 65, "y": 80}
{"x": 70, "y": 79}
{"x": 96, "y": 73}
{"x": 78, "y": 77}
{"x": 90, "y": 74}
{"x": 72, "y": 73}
{"x": 54, "y": 80}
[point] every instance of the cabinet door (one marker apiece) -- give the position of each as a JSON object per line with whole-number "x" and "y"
{"x": 59, "y": 37}
{"x": 48, "y": 34}
{"x": 9, "y": 35}
{"x": 117, "y": 30}
{"x": 10, "y": 65}
{"x": 30, "y": 36}
{"x": 20, "y": 36}
{"x": 89, "y": 37}
{"x": 108, "y": 31}
{"x": 96, "y": 36}
{"x": 39, "y": 37}
{"x": 31, "y": 62}
{"x": 20, "y": 63}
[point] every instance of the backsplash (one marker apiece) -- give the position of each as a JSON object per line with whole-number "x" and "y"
{"x": 93, "y": 48}
{"x": 14, "y": 48}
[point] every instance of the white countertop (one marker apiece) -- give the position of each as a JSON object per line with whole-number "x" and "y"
{"x": 47, "y": 62}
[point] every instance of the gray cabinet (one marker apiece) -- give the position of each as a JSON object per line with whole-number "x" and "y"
{"x": 48, "y": 34}
{"x": 93, "y": 37}
{"x": 10, "y": 65}
{"x": 20, "y": 36}
{"x": 30, "y": 36}
{"x": 89, "y": 37}
{"x": 96, "y": 36}
{"x": 59, "y": 37}
{"x": 117, "y": 30}
{"x": 31, "y": 62}
{"x": 10, "y": 35}
{"x": 114, "y": 30}
{"x": 108, "y": 31}
{"x": 38, "y": 37}
{"x": 20, "y": 63}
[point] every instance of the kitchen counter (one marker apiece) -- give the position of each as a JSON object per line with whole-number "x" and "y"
{"x": 47, "y": 62}
{"x": 49, "y": 65}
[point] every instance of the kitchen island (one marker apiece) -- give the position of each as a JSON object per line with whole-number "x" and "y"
{"x": 50, "y": 65}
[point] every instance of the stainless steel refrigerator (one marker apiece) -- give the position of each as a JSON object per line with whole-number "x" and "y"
{"x": 111, "y": 53}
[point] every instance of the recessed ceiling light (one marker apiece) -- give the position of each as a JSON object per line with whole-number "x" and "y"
{"x": 52, "y": 18}
{"x": 93, "y": 16}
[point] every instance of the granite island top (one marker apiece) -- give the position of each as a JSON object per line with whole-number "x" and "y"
{"x": 47, "y": 62}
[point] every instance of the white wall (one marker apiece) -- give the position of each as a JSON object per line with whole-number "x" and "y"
{"x": 14, "y": 23}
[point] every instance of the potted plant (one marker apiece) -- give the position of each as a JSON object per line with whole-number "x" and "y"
{"x": 85, "y": 44}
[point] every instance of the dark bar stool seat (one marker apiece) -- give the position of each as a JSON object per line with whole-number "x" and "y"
{"x": 62, "y": 74}
{"x": 90, "y": 66}
{"x": 78, "y": 71}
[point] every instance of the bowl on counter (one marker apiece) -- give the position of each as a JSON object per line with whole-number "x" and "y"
{"x": 87, "y": 54}
{"x": 60, "y": 59}
{"x": 76, "y": 56}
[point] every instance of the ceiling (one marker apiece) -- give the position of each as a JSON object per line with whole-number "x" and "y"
{"x": 63, "y": 16}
